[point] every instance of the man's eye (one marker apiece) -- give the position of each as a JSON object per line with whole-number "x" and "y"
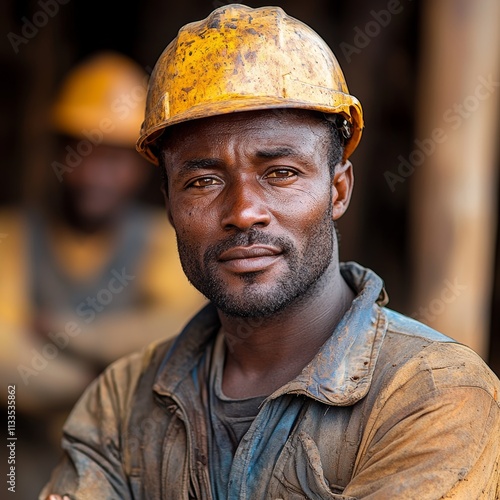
{"x": 204, "y": 182}
{"x": 281, "y": 173}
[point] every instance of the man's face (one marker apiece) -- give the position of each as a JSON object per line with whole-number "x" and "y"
{"x": 250, "y": 198}
{"x": 104, "y": 182}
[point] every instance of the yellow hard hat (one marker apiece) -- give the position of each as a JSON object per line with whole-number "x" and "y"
{"x": 243, "y": 59}
{"x": 107, "y": 93}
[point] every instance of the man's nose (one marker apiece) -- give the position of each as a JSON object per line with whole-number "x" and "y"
{"x": 245, "y": 207}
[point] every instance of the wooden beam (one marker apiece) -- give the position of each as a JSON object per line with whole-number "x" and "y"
{"x": 454, "y": 185}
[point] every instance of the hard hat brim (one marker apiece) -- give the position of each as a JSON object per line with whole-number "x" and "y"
{"x": 344, "y": 104}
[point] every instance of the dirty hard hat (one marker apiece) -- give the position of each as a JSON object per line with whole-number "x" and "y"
{"x": 105, "y": 94}
{"x": 243, "y": 59}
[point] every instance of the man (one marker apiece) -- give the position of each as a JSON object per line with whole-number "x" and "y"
{"x": 90, "y": 275}
{"x": 91, "y": 254}
{"x": 295, "y": 381}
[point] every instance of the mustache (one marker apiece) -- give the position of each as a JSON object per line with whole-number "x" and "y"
{"x": 247, "y": 238}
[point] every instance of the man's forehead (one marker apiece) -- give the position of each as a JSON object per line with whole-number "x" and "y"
{"x": 282, "y": 120}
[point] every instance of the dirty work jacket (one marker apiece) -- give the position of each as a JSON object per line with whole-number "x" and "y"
{"x": 388, "y": 408}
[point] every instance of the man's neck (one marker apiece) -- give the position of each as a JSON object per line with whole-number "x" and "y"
{"x": 264, "y": 353}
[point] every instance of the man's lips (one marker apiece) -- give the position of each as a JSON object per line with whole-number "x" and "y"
{"x": 249, "y": 259}
{"x": 248, "y": 252}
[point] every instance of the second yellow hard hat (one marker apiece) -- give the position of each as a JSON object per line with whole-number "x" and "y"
{"x": 104, "y": 93}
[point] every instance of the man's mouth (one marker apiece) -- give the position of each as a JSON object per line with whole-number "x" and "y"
{"x": 246, "y": 259}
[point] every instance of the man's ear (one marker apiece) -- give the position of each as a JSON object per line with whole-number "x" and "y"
{"x": 166, "y": 200}
{"x": 342, "y": 184}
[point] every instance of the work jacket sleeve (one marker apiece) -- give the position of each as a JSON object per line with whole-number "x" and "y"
{"x": 92, "y": 465}
{"x": 434, "y": 431}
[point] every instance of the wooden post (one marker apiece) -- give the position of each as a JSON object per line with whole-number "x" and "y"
{"x": 455, "y": 157}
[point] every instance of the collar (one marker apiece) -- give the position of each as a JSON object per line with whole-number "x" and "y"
{"x": 339, "y": 374}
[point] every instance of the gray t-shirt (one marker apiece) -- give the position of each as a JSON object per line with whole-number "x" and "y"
{"x": 230, "y": 419}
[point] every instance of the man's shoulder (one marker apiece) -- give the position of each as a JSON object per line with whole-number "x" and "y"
{"x": 141, "y": 361}
{"x": 413, "y": 349}
{"x": 400, "y": 324}
{"x": 121, "y": 378}
{"x": 145, "y": 365}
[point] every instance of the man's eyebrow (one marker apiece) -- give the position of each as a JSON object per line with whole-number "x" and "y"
{"x": 198, "y": 164}
{"x": 278, "y": 152}
{"x": 203, "y": 163}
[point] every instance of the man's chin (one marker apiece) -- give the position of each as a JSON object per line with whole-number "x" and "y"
{"x": 254, "y": 310}
{"x": 253, "y": 300}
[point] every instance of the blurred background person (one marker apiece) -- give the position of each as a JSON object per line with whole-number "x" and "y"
{"x": 90, "y": 274}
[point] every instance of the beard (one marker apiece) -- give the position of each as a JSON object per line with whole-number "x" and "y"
{"x": 305, "y": 268}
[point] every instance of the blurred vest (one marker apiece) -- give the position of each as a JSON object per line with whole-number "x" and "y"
{"x": 54, "y": 291}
